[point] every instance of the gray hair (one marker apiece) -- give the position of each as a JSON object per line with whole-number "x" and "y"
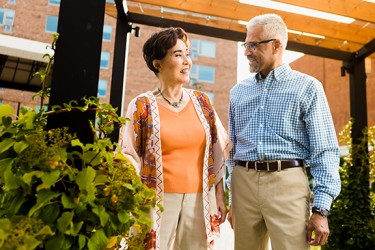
{"x": 273, "y": 27}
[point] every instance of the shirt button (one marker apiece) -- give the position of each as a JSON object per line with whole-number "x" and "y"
{"x": 265, "y": 90}
{"x": 261, "y": 107}
{"x": 261, "y": 125}
{"x": 260, "y": 143}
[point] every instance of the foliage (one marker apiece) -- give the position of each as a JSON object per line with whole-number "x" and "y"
{"x": 58, "y": 193}
{"x": 352, "y": 219}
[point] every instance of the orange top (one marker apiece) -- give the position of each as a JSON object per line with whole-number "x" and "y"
{"x": 183, "y": 142}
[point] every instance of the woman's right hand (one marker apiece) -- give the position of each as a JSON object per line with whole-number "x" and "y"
{"x": 229, "y": 218}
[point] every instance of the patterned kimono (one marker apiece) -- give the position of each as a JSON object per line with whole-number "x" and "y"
{"x": 141, "y": 143}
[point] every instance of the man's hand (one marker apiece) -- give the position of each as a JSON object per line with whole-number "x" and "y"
{"x": 220, "y": 201}
{"x": 319, "y": 225}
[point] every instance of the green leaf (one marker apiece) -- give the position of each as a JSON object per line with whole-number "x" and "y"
{"x": 42, "y": 186}
{"x": 6, "y": 110}
{"x": 46, "y": 230}
{"x": 92, "y": 157}
{"x": 20, "y": 146}
{"x": 64, "y": 221}
{"x": 11, "y": 181}
{"x": 5, "y": 224}
{"x": 108, "y": 155}
{"x": 102, "y": 214}
{"x": 59, "y": 242}
{"x": 85, "y": 181}
{"x": 6, "y": 144}
{"x": 123, "y": 216}
{"x": 5, "y": 164}
{"x": 6, "y": 121}
{"x": 27, "y": 177}
{"x": 81, "y": 241}
{"x": 98, "y": 240}
{"x": 75, "y": 228}
{"x": 15, "y": 204}
{"x": 149, "y": 193}
{"x": 44, "y": 198}
{"x": 145, "y": 220}
{"x": 50, "y": 213}
{"x": 3, "y": 236}
{"x": 28, "y": 119}
{"x": 50, "y": 178}
{"x": 76, "y": 142}
{"x": 128, "y": 186}
{"x": 30, "y": 242}
{"x": 121, "y": 157}
{"x": 68, "y": 202}
{"x": 63, "y": 154}
{"x": 101, "y": 179}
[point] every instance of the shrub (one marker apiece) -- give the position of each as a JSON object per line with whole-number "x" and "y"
{"x": 352, "y": 219}
{"x": 58, "y": 193}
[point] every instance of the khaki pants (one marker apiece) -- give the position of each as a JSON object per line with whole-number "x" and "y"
{"x": 182, "y": 224}
{"x": 271, "y": 205}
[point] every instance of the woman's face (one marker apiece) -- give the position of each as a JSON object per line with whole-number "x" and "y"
{"x": 174, "y": 68}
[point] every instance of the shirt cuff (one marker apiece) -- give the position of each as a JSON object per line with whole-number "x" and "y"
{"x": 323, "y": 200}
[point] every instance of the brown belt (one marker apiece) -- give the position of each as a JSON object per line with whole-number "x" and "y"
{"x": 271, "y": 165}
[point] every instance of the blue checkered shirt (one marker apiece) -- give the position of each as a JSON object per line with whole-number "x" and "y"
{"x": 286, "y": 116}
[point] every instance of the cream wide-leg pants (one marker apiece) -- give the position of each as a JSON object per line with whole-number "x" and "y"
{"x": 182, "y": 224}
{"x": 271, "y": 205}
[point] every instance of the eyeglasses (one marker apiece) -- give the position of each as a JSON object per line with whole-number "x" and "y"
{"x": 253, "y": 45}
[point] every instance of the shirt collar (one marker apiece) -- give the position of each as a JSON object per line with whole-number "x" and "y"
{"x": 276, "y": 74}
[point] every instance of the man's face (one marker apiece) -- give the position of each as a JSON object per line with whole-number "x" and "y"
{"x": 260, "y": 50}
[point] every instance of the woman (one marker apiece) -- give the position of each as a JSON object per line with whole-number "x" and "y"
{"x": 176, "y": 142}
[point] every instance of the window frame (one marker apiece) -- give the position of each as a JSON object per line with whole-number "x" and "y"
{"x": 101, "y": 81}
{"x": 198, "y": 48}
{"x": 195, "y": 73}
{"x": 57, "y": 23}
{"x": 109, "y": 26}
{"x": 105, "y": 60}
{"x": 54, "y": 2}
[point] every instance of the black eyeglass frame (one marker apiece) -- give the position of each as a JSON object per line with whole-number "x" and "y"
{"x": 253, "y": 45}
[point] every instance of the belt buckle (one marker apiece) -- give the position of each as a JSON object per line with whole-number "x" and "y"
{"x": 268, "y": 165}
{"x": 256, "y": 166}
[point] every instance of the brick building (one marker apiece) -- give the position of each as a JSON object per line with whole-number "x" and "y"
{"x": 214, "y": 60}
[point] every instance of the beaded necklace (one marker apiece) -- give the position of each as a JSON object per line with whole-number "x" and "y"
{"x": 174, "y": 104}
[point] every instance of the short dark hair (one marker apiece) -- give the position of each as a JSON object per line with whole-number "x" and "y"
{"x": 157, "y": 46}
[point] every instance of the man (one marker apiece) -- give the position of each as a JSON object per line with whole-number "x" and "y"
{"x": 279, "y": 122}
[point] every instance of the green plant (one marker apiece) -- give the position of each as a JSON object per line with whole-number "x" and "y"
{"x": 58, "y": 193}
{"x": 352, "y": 219}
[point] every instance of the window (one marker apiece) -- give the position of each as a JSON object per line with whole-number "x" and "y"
{"x": 2, "y": 12}
{"x": 7, "y": 18}
{"x": 102, "y": 88}
{"x": 211, "y": 96}
{"x": 104, "y": 60}
{"x": 1, "y": 102}
{"x": 12, "y": 1}
{"x": 51, "y": 24}
{"x": 203, "y": 73}
{"x": 54, "y": 2}
{"x": 202, "y": 48}
{"x": 110, "y": 1}
{"x": 107, "y": 32}
{"x": 1, "y": 89}
{"x": 8, "y": 28}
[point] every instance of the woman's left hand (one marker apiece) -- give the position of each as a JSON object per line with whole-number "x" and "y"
{"x": 220, "y": 201}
